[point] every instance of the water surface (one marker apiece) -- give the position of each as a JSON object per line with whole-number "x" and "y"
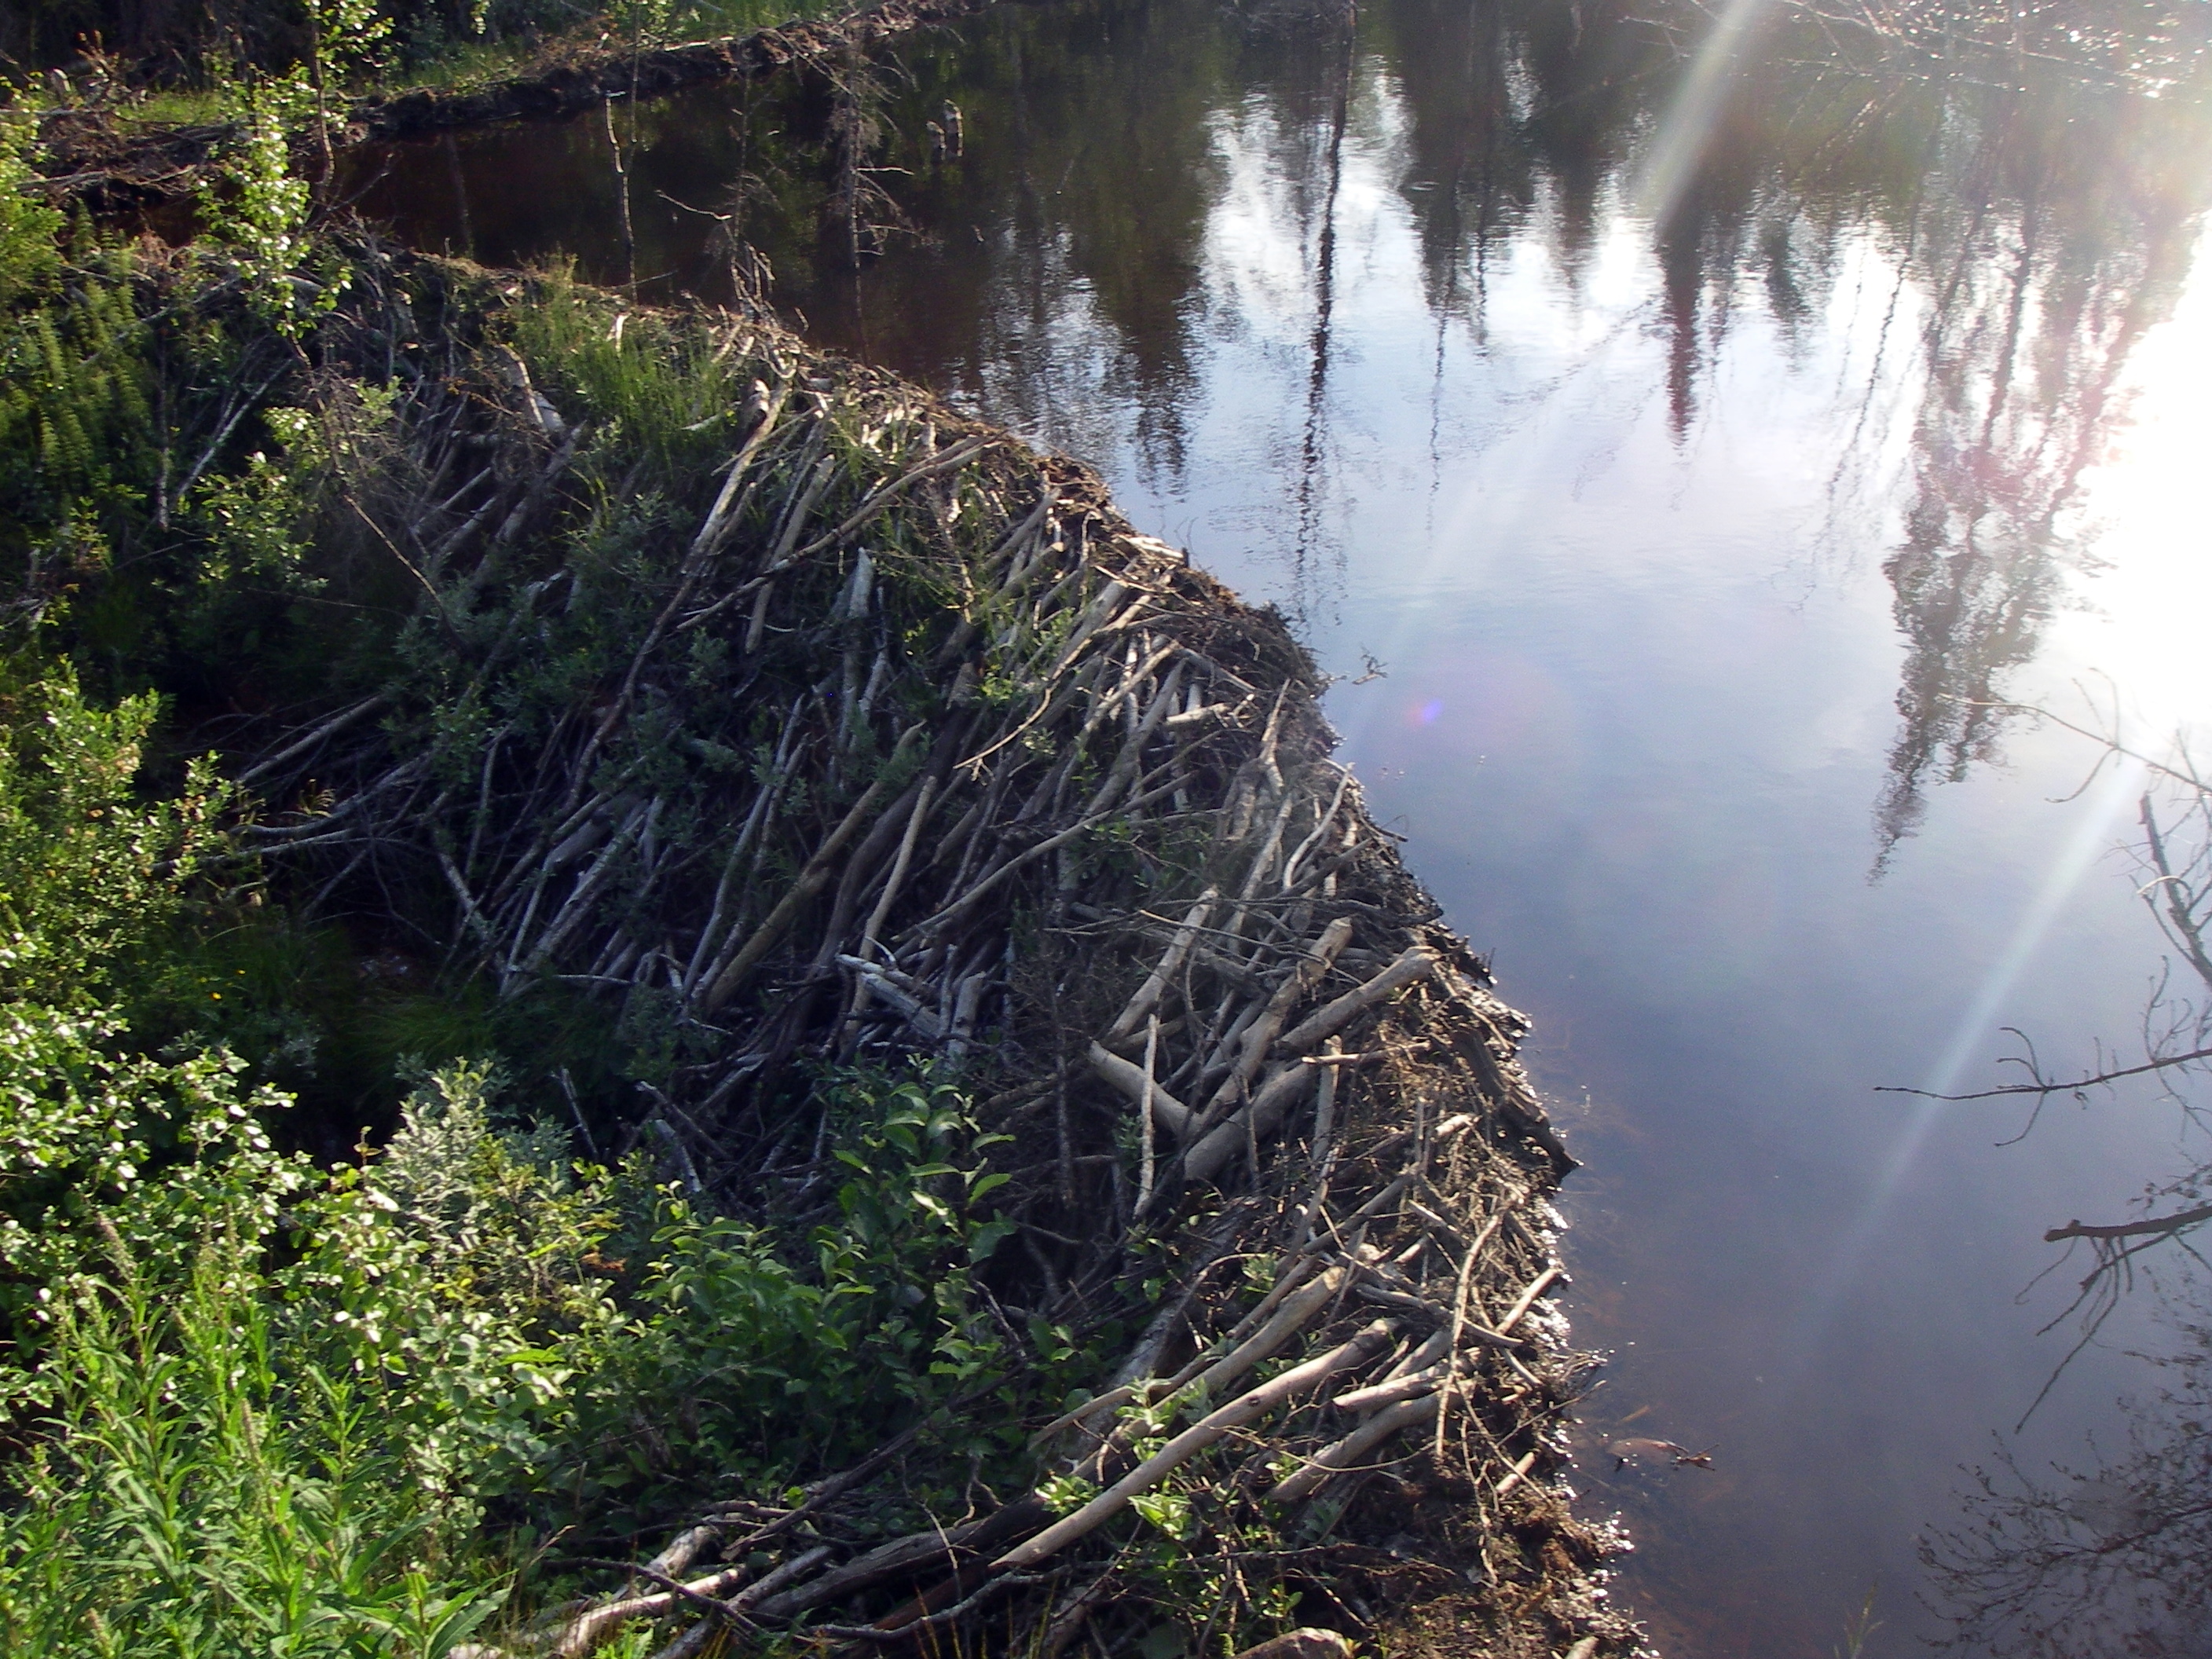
{"x": 1675, "y": 443}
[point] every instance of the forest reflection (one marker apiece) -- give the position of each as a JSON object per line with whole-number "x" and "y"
{"x": 2029, "y": 185}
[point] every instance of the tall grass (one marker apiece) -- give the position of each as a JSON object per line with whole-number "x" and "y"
{"x": 198, "y": 1497}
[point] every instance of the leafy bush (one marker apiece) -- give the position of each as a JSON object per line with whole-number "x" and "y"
{"x": 752, "y": 1361}
{"x": 88, "y": 875}
{"x": 273, "y": 1410}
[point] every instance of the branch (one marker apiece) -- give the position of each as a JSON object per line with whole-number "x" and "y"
{"x": 2165, "y": 1223}
{"x": 2165, "y": 1064}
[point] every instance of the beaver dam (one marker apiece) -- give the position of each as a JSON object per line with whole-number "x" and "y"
{"x": 1081, "y": 1198}
{"x": 880, "y": 739}
{"x": 829, "y": 812}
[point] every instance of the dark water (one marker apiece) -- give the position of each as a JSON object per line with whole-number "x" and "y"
{"x": 1674, "y": 443}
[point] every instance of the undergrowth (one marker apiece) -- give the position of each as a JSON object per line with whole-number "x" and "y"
{"x": 267, "y": 1390}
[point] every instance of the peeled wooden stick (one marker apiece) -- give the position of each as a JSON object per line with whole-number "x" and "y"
{"x": 1430, "y": 1379}
{"x": 1241, "y": 1355}
{"x": 1128, "y": 762}
{"x": 1422, "y": 1371}
{"x": 1255, "y": 1121}
{"x": 1517, "y": 1473}
{"x": 873, "y": 932}
{"x": 811, "y": 880}
{"x": 1136, "y": 1082}
{"x": 769, "y": 405}
{"x": 1262, "y": 1031}
{"x": 1291, "y": 863}
{"x": 1264, "y": 859}
{"x": 594, "y": 1626}
{"x": 1416, "y": 962}
{"x": 1354, "y": 1446}
{"x": 1245, "y": 1408}
{"x": 1289, "y": 1275}
{"x": 329, "y": 728}
{"x": 1131, "y": 683}
{"x": 1439, "y": 1347}
{"x": 1295, "y": 1312}
{"x": 1536, "y": 1288}
{"x": 589, "y": 1628}
{"x": 1324, "y": 1112}
{"x": 684, "y": 1549}
{"x": 958, "y": 455}
{"x": 1146, "y": 1107}
{"x": 873, "y": 979}
{"x": 1106, "y": 605}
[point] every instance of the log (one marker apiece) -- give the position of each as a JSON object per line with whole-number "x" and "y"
{"x": 1255, "y": 1122}
{"x": 1295, "y": 1312}
{"x": 1148, "y": 994}
{"x": 1263, "y": 1030}
{"x": 1131, "y": 1080}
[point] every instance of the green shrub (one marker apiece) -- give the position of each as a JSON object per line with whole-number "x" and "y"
{"x": 89, "y": 876}
{"x": 284, "y": 1412}
{"x": 207, "y": 1489}
{"x": 755, "y": 1361}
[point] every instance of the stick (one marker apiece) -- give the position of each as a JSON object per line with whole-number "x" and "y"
{"x": 1322, "y": 1465}
{"x": 1262, "y": 1031}
{"x": 1246, "y": 1409}
{"x": 1324, "y": 1112}
{"x": 1145, "y": 1115}
{"x": 1137, "y": 1083}
{"x": 329, "y": 728}
{"x": 811, "y": 880}
{"x": 1536, "y": 1288}
{"x": 1417, "y": 962}
{"x": 1295, "y": 1312}
{"x": 958, "y": 455}
{"x": 1458, "y": 1329}
{"x": 1258, "y": 1117}
{"x": 1169, "y": 965}
{"x": 1516, "y": 1475}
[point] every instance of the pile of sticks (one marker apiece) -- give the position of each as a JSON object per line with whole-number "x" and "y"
{"x": 907, "y": 744}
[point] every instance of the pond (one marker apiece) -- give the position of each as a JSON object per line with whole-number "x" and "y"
{"x": 1675, "y": 440}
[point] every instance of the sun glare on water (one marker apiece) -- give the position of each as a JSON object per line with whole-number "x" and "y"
{"x": 2141, "y": 621}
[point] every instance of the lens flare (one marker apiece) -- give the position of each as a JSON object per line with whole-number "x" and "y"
{"x": 1688, "y": 124}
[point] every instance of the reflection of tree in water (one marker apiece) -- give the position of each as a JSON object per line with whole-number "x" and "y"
{"x": 1103, "y": 180}
{"x": 1507, "y": 103}
{"x": 2113, "y": 1558}
{"x": 2048, "y": 249}
{"x": 2042, "y": 219}
{"x": 2037, "y": 211}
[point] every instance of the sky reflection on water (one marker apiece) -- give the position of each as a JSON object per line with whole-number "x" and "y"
{"x": 1674, "y": 479}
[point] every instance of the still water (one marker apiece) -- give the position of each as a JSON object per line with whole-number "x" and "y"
{"x": 1675, "y": 439}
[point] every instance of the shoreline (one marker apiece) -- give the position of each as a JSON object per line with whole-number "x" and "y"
{"x": 111, "y": 170}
